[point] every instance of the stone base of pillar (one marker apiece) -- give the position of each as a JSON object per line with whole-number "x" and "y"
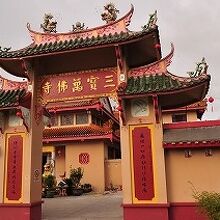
{"x": 146, "y": 211}
{"x": 185, "y": 211}
{"x": 22, "y": 211}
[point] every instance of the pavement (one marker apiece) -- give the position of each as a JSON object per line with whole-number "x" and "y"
{"x": 85, "y": 207}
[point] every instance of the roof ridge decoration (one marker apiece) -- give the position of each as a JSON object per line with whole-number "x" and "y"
{"x": 200, "y": 73}
{"x": 5, "y": 49}
{"x": 160, "y": 68}
{"x": 201, "y": 67}
{"x": 115, "y": 27}
{"x": 110, "y": 13}
{"x": 79, "y": 27}
{"x": 152, "y": 22}
{"x": 48, "y": 25}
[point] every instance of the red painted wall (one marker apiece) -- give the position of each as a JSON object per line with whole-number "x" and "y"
{"x": 20, "y": 212}
{"x": 173, "y": 211}
{"x": 185, "y": 211}
{"x": 142, "y": 212}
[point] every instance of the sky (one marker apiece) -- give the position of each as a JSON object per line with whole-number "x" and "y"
{"x": 192, "y": 26}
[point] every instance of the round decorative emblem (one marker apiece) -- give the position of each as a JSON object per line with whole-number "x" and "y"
{"x": 84, "y": 158}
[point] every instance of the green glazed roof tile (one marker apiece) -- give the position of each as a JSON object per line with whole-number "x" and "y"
{"x": 34, "y": 49}
{"x": 151, "y": 83}
{"x": 11, "y": 97}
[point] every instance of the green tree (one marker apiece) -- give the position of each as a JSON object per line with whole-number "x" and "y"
{"x": 209, "y": 203}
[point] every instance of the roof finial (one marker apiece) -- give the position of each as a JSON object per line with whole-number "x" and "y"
{"x": 110, "y": 13}
{"x": 49, "y": 26}
{"x": 201, "y": 67}
{"x": 5, "y": 49}
{"x": 151, "y": 22}
{"x": 78, "y": 27}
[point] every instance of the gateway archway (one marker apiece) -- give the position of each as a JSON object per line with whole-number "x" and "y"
{"x": 91, "y": 63}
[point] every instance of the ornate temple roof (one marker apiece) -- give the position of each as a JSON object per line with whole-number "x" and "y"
{"x": 155, "y": 79}
{"x": 13, "y": 94}
{"x": 77, "y": 43}
{"x": 139, "y": 52}
{"x": 113, "y": 32}
{"x": 12, "y": 98}
{"x": 49, "y": 42}
{"x": 78, "y": 133}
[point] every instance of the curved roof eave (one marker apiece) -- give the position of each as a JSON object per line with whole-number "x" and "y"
{"x": 12, "y": 61}
{"x": 34, "y": 50}
{"x": 177, "y": 96}
{"x": 117, "y": 26}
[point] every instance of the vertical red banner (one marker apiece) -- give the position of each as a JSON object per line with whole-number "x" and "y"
{"x": 14, "y": 167}
{"x": 143, "y": 165}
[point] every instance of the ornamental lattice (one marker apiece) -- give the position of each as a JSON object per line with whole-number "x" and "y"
{"x": 84, "y": 158}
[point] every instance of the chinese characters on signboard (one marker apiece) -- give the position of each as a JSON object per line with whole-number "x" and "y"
{"x": 14, "y": 167}
{"x": 80, "y": 85}
{"x": 143, "y": 167}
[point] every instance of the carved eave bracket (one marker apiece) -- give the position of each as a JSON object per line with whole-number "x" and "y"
{"x": 26, "y": 118}
{"x": 121, "y": 109}
{"x": 27, "y": 69}
{"x": 121, "y": 64}
{"x": 24, "y": 114}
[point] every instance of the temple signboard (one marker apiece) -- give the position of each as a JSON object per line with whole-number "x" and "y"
{"x": 79, "y": 85}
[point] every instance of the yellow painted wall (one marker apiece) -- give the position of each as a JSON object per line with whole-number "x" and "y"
{"x": 157, "y": 151}
{"x": 200, "y": 170}
{"x": 113, "y": 173}
{"x": 94, "y": 171}
{"x": 60, "y": 163}
{"x": 48, "y": 149}
{"x": 26, "y": 178}
{"x": 167, "y": 117}
{"x": 191, "y": 116}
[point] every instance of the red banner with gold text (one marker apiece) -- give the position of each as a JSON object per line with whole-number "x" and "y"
{"x": 142, "y": 163}
{"x": 79, "y": 85}
{"x": 14, "y": 167}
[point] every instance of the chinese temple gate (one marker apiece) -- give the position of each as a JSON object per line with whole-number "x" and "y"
{"x": 109, "y": 60}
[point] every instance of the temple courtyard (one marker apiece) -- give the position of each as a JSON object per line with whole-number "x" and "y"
{"x": 85, "y": 207}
